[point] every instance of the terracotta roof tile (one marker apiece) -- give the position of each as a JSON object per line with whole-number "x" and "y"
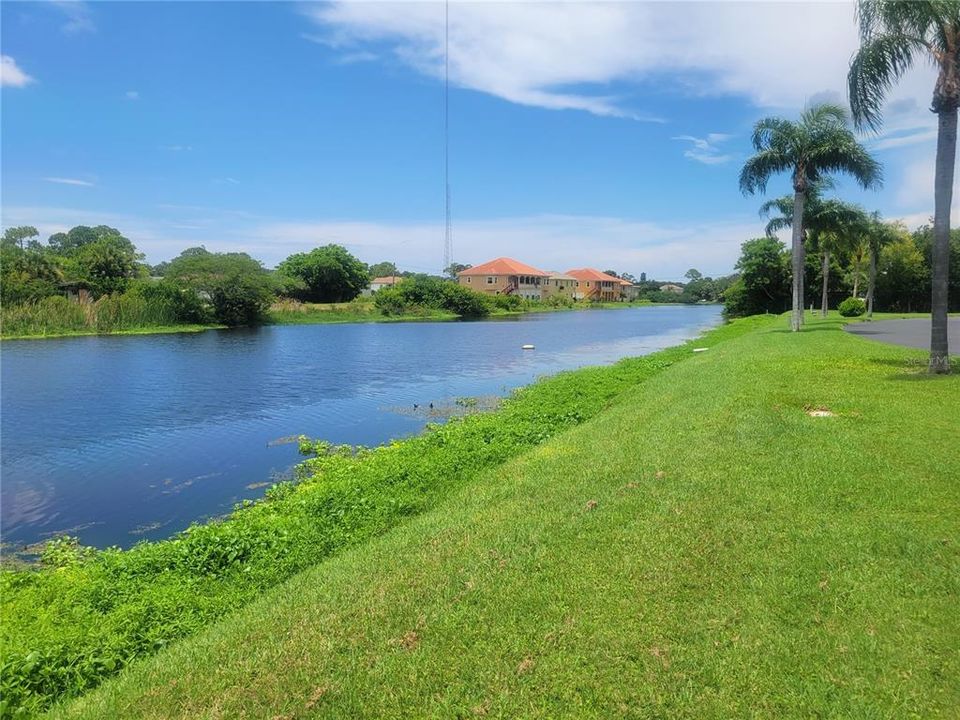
{"x": 592, "y": 274}
{"x": 503, "y": 266}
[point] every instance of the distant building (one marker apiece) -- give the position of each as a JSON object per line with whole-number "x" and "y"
{"x": 559, "y": 284}
{"x": 671, "y": 288}
{"x": 643, "y": 277}
{"x": 378, "y": 283}
{"x": 505, "y": 276}
{"x": 630, "y": 292}
{"x": 595, "y": 285}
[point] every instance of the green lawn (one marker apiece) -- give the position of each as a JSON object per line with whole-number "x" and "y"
{"x": 702, "y": 548}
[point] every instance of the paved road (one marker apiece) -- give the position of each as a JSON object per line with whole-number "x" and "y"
{"x": 914, "y": 333}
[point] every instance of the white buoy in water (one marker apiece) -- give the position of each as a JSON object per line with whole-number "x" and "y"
{"x": 526, "y": 347}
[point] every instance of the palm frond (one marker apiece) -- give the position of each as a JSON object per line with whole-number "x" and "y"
{"x": 771, "y": 130}
{"x": 777, "y": 224}
{"x": 878, "y": 64}
{"x": 758, "y": 169}
{"x": 839, "y": 151}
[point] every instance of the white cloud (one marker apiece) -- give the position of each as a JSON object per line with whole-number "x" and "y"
{"x": 79, "y": 18}
{"x": 133, "y": 94}
{"x": 706, "y": 150}
{"x": 565, "y": 55}
{"x": 10, "y": 73}
{"x": 68, "y": 181}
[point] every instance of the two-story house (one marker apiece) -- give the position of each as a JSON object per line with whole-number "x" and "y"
{"x": 505, "y": 276}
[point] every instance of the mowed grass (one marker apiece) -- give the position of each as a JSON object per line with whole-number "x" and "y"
{"x": 703, "y": 548}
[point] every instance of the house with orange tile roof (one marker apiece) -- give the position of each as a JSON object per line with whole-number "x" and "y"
{"x": 595, "y": 285}
{"x": 505, "y": 276}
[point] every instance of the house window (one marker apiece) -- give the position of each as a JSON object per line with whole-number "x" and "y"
{"x": 588, "y": 283}
{"x": 469, "y": 278}
{"x": 490, "y": 280}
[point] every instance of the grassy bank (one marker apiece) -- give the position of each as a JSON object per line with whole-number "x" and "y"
{"x": 362, "y": 310}
{"x": 708, "y": 546}
{"x": 69, "y": 626}
{"x": 145, "y": 330}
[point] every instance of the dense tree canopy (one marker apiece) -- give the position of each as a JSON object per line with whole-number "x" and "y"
{"x": 383, "y": 269}
{"x": 764, "y": 282}
{"x": 328, "y": 274}
{"x": 238, "y": 287}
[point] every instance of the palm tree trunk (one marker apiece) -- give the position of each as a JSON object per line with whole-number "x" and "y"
{"x": 872, "y": 281}
{"x": 803, "y": 278}
{"x": 825, "y": 272}
{"x": 796, "y": 249}
{"x": 856, "y": 285}
{"x": 943, "y": 196}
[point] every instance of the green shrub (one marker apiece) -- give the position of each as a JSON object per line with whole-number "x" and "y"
{"x": 559, "y": 301}
{"x": 852, "y": 307}
{"x": 505, "y": 302}
{"x": 183, "y": 304}
{"x": 423, "y": 292}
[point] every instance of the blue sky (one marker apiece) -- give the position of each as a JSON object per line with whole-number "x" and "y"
{"x": 597, "y": 134}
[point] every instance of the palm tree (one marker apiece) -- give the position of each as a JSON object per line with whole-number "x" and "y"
{"x": 829, "y": 226}
{"x": 879, "y": 234}
{"x": 892, "y": 36}
{"x": 858, "y": 272}
{"x": 819, "y": 144}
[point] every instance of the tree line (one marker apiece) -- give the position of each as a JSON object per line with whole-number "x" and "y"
{"x": 893, "y": 261}
{"x": 101, "y": 268}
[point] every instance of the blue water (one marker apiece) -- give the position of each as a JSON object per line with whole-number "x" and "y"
{"x": 116, "y": 439}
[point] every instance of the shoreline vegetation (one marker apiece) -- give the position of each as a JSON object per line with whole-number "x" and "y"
{"x": 735, "y": 575}
{"x": 297, "y": 313}
{"x": 84, "y": 614}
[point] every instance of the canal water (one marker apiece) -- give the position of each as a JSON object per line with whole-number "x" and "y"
{"x": 118, "y": 439}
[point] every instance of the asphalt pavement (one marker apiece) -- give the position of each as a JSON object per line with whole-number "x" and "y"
{"x": 912, "y": 333}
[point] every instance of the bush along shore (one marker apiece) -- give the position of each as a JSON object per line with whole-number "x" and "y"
{"x": 85, "y": 614}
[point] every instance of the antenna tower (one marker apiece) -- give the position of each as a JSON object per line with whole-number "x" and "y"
{"x": 448, "y": 230}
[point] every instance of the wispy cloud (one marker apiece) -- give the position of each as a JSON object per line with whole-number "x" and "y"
{"x": 69, "y": 181}
{"x": 567, "y": 55}
{"x": 177, "y": 148}
{"x": 79, "y": 17}
{"x": 705, "y": 150}
{"x": 132, "y": 94}
{"x": 903, "y": 139}
{"x": 10, "y": 73}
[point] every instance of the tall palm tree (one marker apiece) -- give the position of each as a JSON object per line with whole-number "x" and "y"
{"x": 893, "y": 35}
{"x": 819, "y": 144}
{"x": 829, "y": 226}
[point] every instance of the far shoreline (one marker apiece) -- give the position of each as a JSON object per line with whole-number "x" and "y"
{"x": 339, "y": 314}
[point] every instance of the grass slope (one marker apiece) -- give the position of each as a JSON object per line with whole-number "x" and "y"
{"x": 704, "y": 548}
